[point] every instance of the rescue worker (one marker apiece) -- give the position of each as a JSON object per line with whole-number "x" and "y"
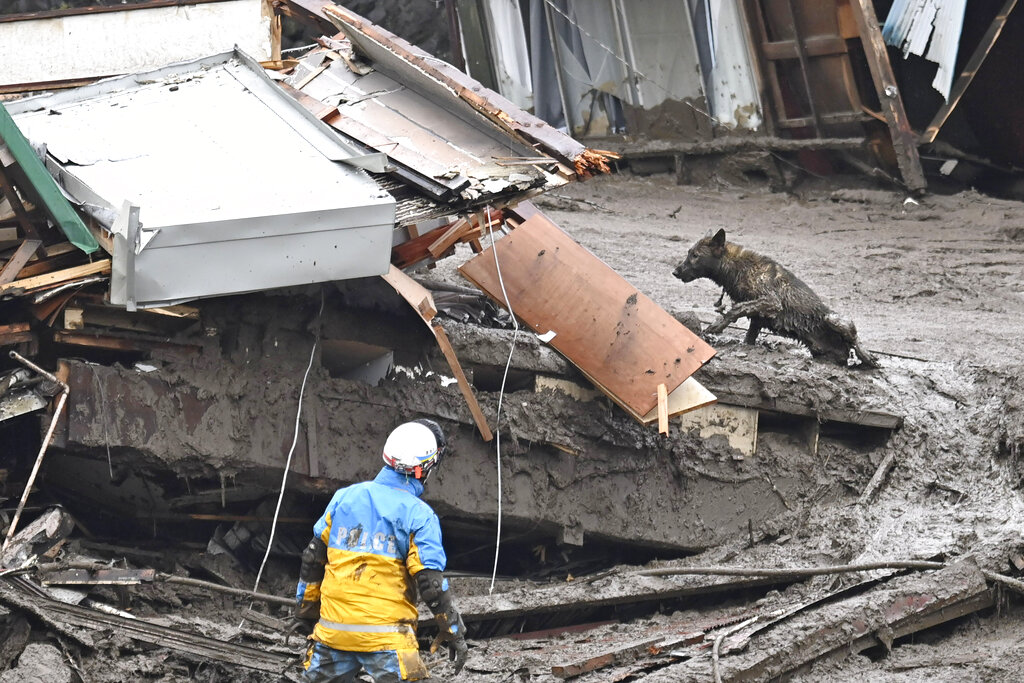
{"x": 373, "y": 539}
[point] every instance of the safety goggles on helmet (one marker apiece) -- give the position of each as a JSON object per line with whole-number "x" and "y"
{"x": 414, "y": 448}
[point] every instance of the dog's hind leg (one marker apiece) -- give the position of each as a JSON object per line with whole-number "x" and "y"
{"x": 756, "y": 323}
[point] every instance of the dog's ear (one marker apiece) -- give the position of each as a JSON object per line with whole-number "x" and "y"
{"x": 719, "y": 239}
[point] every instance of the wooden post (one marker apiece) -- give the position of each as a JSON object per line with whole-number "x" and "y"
{"x": 904, "y": 140}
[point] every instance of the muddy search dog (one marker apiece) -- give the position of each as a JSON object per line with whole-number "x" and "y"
{"x": 772, "y": 298}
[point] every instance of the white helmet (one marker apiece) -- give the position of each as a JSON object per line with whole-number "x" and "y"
{"x": 414, "y": 448}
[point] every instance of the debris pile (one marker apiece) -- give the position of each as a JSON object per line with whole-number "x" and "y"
{"x": 314, "y": 249}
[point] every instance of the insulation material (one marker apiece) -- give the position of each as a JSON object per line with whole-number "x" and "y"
{"x": 929, "y": 29}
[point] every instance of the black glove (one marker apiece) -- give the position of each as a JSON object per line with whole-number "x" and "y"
{"x": 451, "y": 632}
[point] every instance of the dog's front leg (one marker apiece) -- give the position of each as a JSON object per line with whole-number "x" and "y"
{"x": 765, "y": 307}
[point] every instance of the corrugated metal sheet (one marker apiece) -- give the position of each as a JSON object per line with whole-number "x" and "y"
{"x": 467, "y": 154}
{"x": 92, "y": 45}
{"x": 915, "y": 26}
{"x": 237, "y": 187}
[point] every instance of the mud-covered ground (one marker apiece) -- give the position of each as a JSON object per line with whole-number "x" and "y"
{"x": 936, "y": 287}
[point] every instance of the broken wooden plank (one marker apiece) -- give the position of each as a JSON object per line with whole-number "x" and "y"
{"x": 311, "y": 75}
{"x": 10, "y": 270}
{"x": 464, "y": 387}
{"x": 663, "y": 409}
{"x": 311, "y": 104}
{"x": 876, "y": 481}
{"x": 99, "y": 577}
{"x": 449, "y": 237}
{"x": 894, "y": 609}
{"x": 688, "y": 396}
{"x": 15, "y": 333}
{"x": 114, "y": 343}
{"x": 623, "y": 341}
{"x": 415, "y": 250}
{"x": 904, "y": 141}
{"x": 112, "y": 317}
{"x": 616, "y": 656}
{"x": 177, "y": 311}
{"x": 970, "y": 70}
{"x": 59, "y": 248}
{"x": 28, "y": 228}
{"x": 50, "y": 264}
{"x": 56, "y": 277}
{"x": 420, "y": 298}
{"x": 80, "y": 622}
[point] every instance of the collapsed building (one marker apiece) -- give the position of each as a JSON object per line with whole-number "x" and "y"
{"x": 240, "y": 271}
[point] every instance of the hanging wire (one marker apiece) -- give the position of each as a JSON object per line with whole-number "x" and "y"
{"x": 501, "y": 396}
{"x": 291, "y": 451}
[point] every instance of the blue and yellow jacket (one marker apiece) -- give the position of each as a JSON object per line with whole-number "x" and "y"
{"x": 379, "y": 534}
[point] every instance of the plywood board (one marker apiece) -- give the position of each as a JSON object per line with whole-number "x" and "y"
{"x": 616, "y": 335}
{"x": 688, "y": 396}
{"x": 737, "y": 424}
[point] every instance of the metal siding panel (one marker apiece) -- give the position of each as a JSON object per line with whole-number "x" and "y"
{"x": 237, "y": 266}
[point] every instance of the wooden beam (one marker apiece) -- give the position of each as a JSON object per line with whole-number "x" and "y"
{"x": 970, "y": 70}
{"x": 904, "y": 140}
{"x": 616, "y": 656}
{"x": 450, "y": 236}
{"x": 113, "y": 343}
{"x": 49, "y": 264}
{"x": 56, "y": 277}
{"x": 422, "y": 301}
{"x": 415, "y": 250}
{"x": 15, "y": 333}
{"x": 11, "y": 269}
{"x": 418, "y": 296}
{"x": 464, "y": 387}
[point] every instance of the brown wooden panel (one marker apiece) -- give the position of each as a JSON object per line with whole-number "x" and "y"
{"x": 602, "y": 324}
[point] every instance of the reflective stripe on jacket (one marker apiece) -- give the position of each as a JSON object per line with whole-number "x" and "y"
{"x": 379, "y": 534}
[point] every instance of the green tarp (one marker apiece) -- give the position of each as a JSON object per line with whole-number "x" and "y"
{"x": 56, "y": 205}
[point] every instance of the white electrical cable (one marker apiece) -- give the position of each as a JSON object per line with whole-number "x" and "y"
{"x": 291, "y": 451}
{"x": 501, "y": 396}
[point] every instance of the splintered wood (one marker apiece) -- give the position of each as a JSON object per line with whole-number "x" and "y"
{"x": 423, "y": 302}
{"x": 625, "y": 343}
